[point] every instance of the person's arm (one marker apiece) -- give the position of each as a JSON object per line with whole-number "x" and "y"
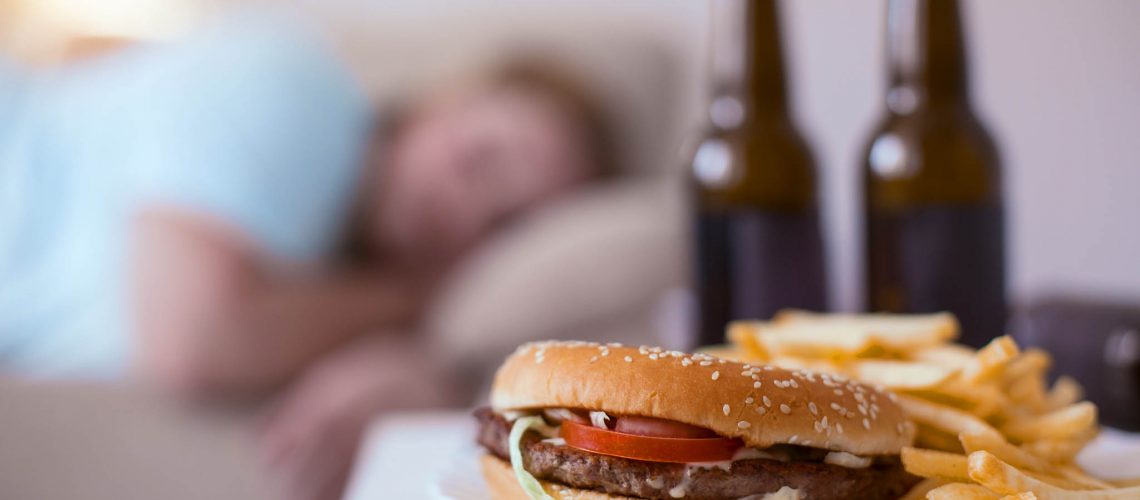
{"x": 212, "y": 319}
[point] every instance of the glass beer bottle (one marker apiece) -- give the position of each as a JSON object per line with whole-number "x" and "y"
{"x": 934, "y": 235}
{"x": 758, "y": 244}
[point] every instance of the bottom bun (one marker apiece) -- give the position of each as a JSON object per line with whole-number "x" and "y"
{"x": 503, "y": 485}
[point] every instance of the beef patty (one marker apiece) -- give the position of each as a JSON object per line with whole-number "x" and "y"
{"x": 883, "y": 479}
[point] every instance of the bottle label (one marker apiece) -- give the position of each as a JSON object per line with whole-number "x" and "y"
{"x": 751, "y": 264}
{"x": 941, "y": 259}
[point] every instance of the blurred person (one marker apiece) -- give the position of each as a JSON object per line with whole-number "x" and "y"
{"x": 225, "y": 216}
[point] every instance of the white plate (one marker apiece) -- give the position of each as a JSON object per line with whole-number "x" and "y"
{"x": 462, "y": 479}
{"x": 1112, "y": 455}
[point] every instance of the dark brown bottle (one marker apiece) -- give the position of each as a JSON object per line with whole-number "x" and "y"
{"x": 932, "y": 181}
{"x": 758, "y": 244}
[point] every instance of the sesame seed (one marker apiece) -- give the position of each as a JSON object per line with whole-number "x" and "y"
{"x": 793, "y": 439}
{"x": 686, "y": 361}
{"x": 792, "y": 382}
{"x": 593, "y": 359}
{"x": 747, "y": 366}
{"x": 745, "y": 373}
{"x": 812, "y": 408}
{"x": 716, "y": 375}
{"x": 767, "y": 402}
{"x": 606, "y": 352}
{"x": 743, "y": 425}
{"x": 835, "y": 406}
{"x": 839, "y": 392}
{"x": 653, "y": 356}
{"x": 839, "y": 428}
{"x": 726, "y": 409}
{"x": 823, "y": 423}
{"x": 706, "y": 363}
{"x": 749, "y": 400}
{"x": 756, "y": 384}
{"x": 785, "y": 408}
{"x": 761, "y": 410}
{"x": 629, "y": 359}
{"x": 866, "y": 424}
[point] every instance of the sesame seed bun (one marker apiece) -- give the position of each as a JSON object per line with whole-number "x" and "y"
{"x": 503, "y": 485}
{"x": 762, "y": 405}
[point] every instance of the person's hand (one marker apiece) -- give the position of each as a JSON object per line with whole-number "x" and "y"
{"x": 309, "y": 440}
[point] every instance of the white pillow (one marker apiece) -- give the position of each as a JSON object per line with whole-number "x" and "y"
{"x": 590, "y": 267}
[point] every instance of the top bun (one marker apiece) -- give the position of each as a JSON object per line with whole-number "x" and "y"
{"x": 760, "y": 404}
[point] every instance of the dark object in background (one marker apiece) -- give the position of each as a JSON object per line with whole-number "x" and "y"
{"x": 758, "y": 243}
{"x": 1096, "y": 343}
{"x": 932, "y": 182}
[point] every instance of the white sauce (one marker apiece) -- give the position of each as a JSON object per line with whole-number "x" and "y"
{"x": 784, "y": 493}
{"x": 555, "y": 441}
{"x": 844, "y": 459}
{"x": 682, "y": 487}
{"x": 741, "y": 454}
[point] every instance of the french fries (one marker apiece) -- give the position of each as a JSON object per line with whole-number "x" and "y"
{"x": 961, "y": 491}
{"x": 899, "y": 375}
{"x": 1066, "y": 423}
{"x": 810, "y": 334}
{"x": 935, "y": 464}
{"x": 989, "y": 360}
{"x": 940, "y": 417}
{"x": 1003, "y": 478}
{"x": 920, "y": 490}
{"x": 1065, "y": 392}
{"x": 988, "y": 425}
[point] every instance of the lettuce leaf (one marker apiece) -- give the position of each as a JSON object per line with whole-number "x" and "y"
{"x": 527, "y": 481}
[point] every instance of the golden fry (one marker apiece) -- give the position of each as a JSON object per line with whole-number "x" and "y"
{"x": 940, "y": 417}
{"x": 949, "y": 356}
{"x": 1006, "y": 479}
{"x": 1066, "y": 423}
{"x": 1031, "y": 362}
{"x": 898, "y": 375}
{"x": 989, "y": 360}
{"x": 919, "y": 490}
{"x": 743, "y": 334}
{"x": 936, "y": 464}
{"x": 961, "y": 491}
{"x": 1065, "y": 392}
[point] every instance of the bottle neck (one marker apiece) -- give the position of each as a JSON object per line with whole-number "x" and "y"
{"x": 926, "y": 55}
{"x": 747, "y": 62}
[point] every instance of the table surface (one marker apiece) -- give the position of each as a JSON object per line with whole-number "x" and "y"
{"x": 406, "y": 453}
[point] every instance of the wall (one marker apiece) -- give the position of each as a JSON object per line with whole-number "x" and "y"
{"x": 1058, "y": 83}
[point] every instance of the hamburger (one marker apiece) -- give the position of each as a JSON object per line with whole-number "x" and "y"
{"x": 601, "y": 421}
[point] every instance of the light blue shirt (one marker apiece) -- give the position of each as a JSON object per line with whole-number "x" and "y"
{"x": 252, "y": 122}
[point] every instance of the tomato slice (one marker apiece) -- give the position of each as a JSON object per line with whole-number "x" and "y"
{"x": 648, "y": 448}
